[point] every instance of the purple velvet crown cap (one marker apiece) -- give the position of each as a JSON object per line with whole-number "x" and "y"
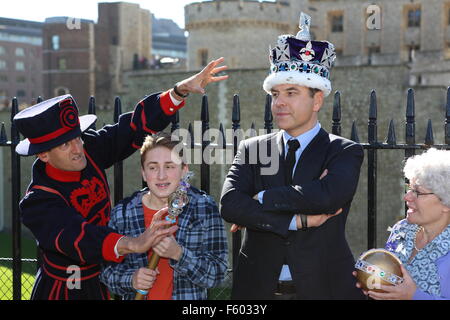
{"x": 291, "y": 48}
{"x": 300, "y": 60}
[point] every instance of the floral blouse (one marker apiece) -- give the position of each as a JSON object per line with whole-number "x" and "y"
{"x": 430, "y": 267}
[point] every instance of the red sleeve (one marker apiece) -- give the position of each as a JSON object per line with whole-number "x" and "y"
{"x": 167, "y": 105}
{"x": 108, "y": 247}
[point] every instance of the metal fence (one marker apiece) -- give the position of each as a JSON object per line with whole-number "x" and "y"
{"x": 372, "y": 147}
{"x": 27, "y": 278}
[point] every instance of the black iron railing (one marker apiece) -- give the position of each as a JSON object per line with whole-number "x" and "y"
{"x": 372, "y": 146}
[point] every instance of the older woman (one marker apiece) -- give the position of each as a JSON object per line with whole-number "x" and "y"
{"x": 422, "y": 240}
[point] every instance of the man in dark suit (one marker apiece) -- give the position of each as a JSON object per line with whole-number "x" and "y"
{"x": 294, "y": 244}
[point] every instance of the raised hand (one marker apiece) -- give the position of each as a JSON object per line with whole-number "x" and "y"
{"x": 198, "y": 82}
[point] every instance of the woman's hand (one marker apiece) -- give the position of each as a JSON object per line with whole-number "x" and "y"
{"x": 358, "y": 284}
{"x": 403, "y": 291}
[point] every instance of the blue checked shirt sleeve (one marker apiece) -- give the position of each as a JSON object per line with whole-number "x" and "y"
{"x": 204, "y": 258}
{"x": 118, "y": 276}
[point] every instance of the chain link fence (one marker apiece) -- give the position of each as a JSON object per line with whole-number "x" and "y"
{"x": 27, "y": 279}
{"x": 223, "y": 292}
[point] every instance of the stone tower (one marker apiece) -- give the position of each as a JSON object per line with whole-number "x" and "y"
{"x": 240, "y": 30}
{"x": 122, "y": 38}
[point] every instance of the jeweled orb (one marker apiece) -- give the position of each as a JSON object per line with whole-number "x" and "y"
{"x": 378, "y": 267}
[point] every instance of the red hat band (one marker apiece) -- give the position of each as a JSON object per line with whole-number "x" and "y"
{"x": 68, "y": 118}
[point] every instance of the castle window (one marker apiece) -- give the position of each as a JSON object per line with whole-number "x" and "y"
{"x": 412, "y": 49}
{"x": 414, "y": 17}
{"x": 337, "y": 22}
{"x": 203, "y": 57}
{"x": 371, "y": 51}
{"x": 447, "y": 50}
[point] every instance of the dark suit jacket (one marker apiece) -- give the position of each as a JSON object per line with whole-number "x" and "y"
{"x": 319, "y": 259}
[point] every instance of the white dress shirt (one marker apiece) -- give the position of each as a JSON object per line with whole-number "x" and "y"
{"x": 304, "y": 140}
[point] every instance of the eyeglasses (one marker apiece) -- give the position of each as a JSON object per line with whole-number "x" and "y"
{"x": 416, "y": 193}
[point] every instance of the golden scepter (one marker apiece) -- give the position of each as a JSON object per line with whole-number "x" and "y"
{"x": 177, "y": 201}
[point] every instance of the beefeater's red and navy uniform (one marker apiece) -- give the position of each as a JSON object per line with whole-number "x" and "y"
{"x": 68, "y": 212}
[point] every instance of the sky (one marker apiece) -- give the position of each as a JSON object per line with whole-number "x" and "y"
{"x": 38, "y": 10}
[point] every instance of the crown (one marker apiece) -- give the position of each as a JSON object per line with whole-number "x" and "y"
{"x": 300, "y": 60}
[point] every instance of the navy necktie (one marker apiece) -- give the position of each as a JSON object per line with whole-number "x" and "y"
{"x": 290, "y": 159}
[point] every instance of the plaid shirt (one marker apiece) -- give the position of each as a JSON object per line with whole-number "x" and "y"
{"x": 201, "y": 233}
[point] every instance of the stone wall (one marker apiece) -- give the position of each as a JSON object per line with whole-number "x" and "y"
{"x": 227, "y": 28}
{"x": 239, "y": 30}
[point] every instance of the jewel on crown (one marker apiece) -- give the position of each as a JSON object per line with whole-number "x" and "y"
{"x": 179, "y": 199}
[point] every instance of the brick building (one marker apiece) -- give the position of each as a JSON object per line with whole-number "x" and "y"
{"x": 20, "y": 61}
{"x": 123, "y": 42}
{"x": 86, "y": 59}
{"x": 69, "y": 58}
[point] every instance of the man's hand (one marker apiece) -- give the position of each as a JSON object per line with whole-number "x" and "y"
{"x": 152, "y": 235}
{"x": 324, "y": 173}
{"x": 317, "y": 219}
{"x": 144, "y": 278}
{"x": 168, "y": 247}
{"x": 198, "y": 82}
{"x": 313, "y": 220}
{"x": 234, "y": 227}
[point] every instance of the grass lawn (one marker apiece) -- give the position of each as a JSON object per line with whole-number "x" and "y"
{"x": 28, "y": 246}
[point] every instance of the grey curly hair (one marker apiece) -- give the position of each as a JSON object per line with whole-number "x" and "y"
{"x": 431, "y": 169}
